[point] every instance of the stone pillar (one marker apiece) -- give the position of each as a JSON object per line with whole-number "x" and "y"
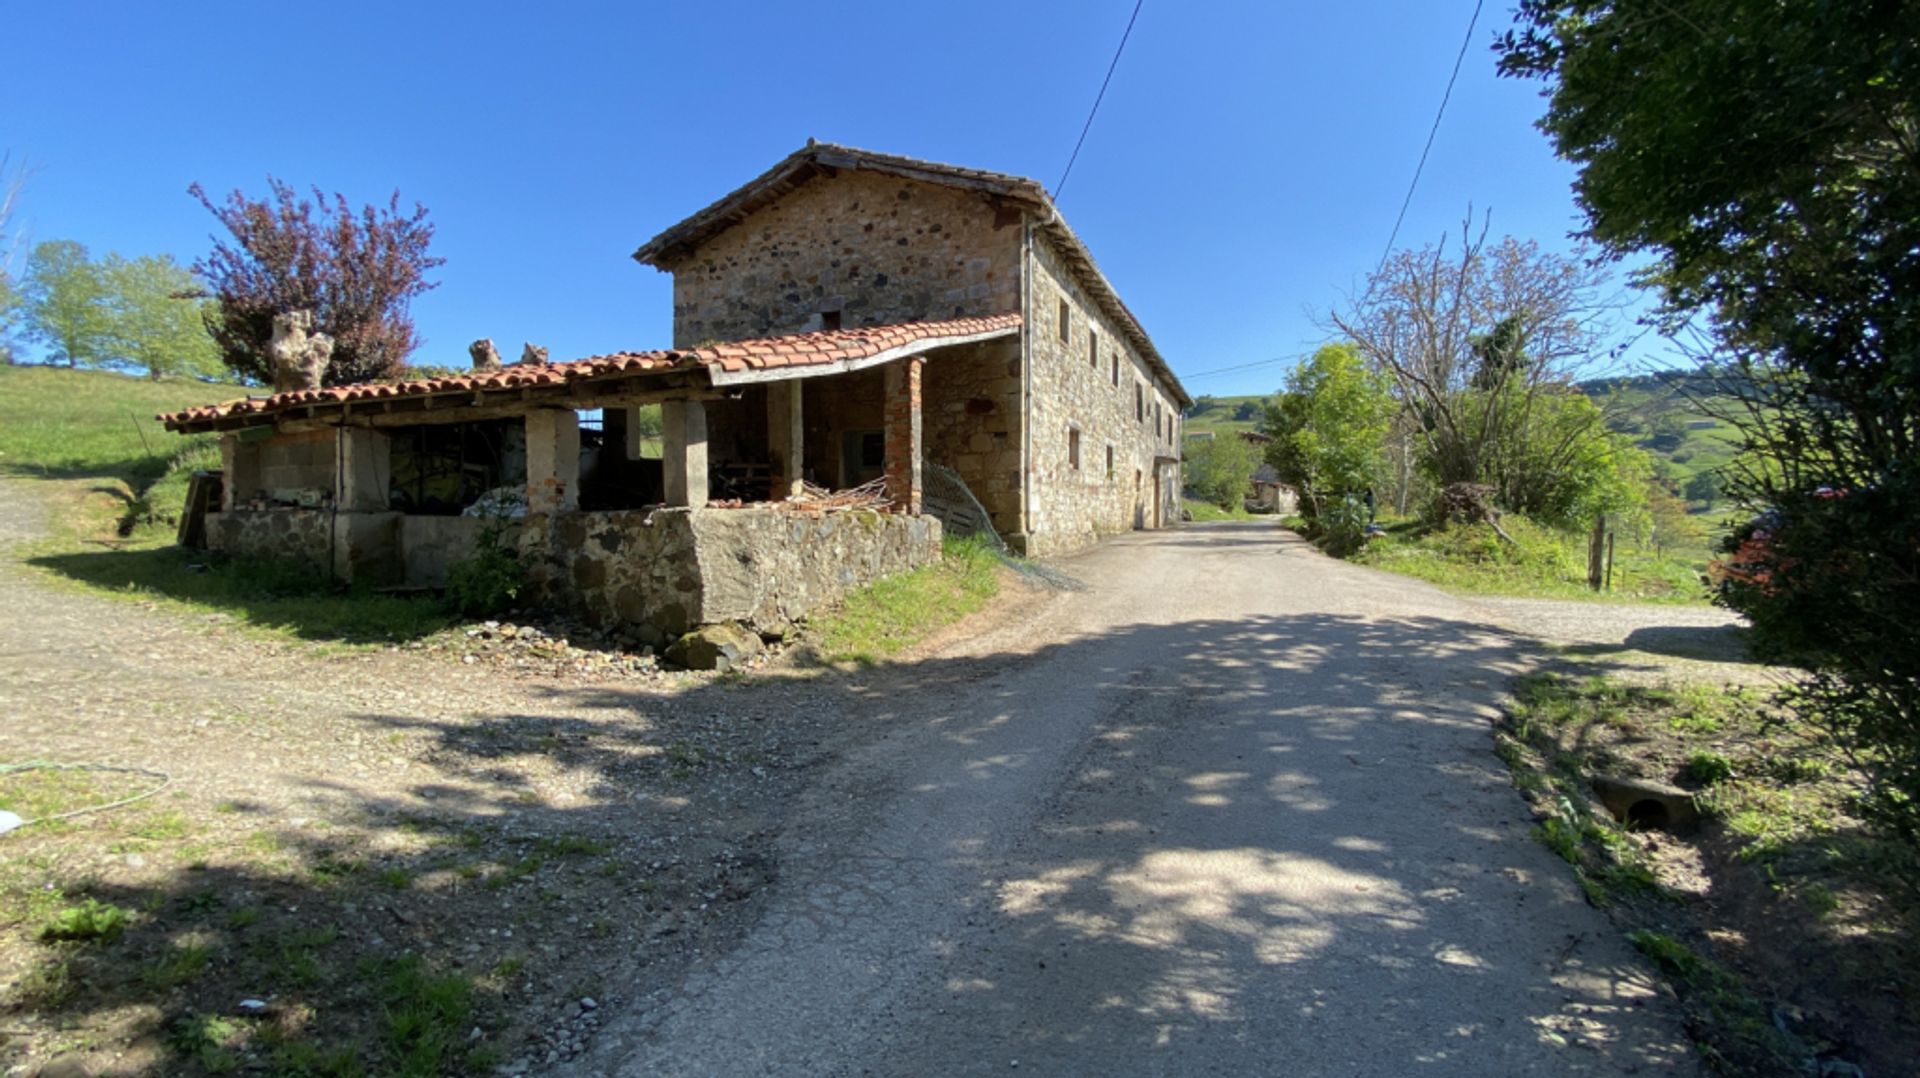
{"x": 684, "y": 428}
{"x": 366, "y": 468}
{"x": 902, "y": 412}
{"x": 785, "y": 438}
{"x": 239, "y": 471}
{"x": 553, "y": 460}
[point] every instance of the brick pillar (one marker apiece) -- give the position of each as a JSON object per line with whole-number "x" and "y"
{"x": 903, "y": 433}
{"x": 785, "y": 439}
{"x": 684, "y": 430}
{"x": 239, "y": 472}
{"x": 366, "y": 469}
{"x": 553, "y": 460}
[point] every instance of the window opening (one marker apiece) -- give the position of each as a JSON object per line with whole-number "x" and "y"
{"x": 1073, "y": 449}
{"x": 1066, "y": 321}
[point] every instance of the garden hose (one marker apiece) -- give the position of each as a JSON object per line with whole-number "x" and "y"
{"x": 11, "y": 822}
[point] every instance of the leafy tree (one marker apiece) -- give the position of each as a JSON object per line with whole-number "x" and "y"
{"x": 1767, "y": 156}
{"x": 1331, "y": 427}
{"x": 357, "y": 271}
{"x": 1704, "y": 487}
{"x": 154, "y": 320}
{"x": 66, "y": 303}
{"x": 1246, "y": 411}
{"x": 1220, "y": 469}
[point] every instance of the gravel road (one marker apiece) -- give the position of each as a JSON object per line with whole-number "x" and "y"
{"x": 1231, "y": 809}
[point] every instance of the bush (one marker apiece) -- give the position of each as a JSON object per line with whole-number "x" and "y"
{"x": 491, "y": 578}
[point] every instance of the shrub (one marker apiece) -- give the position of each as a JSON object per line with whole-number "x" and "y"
{"x": 490, "y": 579}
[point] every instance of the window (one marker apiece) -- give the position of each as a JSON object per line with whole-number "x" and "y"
{"x": 829, "y": 321}
{"x": 1116, "y": 370}
{"x": 1109, "y": 462}
{"x": 1066, "y": 322}
{"x": 1073, "y": 449}
{"x": 1139, "y": 402}
{"x": 1093, "y": 349}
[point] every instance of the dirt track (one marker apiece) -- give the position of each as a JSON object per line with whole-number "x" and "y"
{"x": 1231, "y": 808}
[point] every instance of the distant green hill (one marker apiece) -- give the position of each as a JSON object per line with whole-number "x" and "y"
{"x": 1219, "y": 414}
{"x": 1662, "y": 413}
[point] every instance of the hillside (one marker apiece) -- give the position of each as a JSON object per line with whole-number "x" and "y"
{"x": 1220, "y": 414}
{"x": 1661, "y": 413}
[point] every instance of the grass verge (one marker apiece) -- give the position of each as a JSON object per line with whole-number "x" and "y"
{"x": 1540, "y": 563}
{"x": 891, "y": 615}
{"x": 1789, "y": 966}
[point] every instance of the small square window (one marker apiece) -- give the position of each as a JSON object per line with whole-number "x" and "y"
{"x": 829, "y": 321}
{"x": 1066, "y": 321}
{"x": 1073, "y": 449}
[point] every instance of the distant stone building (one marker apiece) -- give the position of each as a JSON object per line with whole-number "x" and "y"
{"x": 842, "y": 321}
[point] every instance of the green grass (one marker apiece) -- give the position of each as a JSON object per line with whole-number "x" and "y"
{"x": 890, "y": 615}
{"x": 1540, "y": 563}
{"x": 1217, "y": 414}
{"x": 93, "y": 424}
{"x": 1205, "y": 511}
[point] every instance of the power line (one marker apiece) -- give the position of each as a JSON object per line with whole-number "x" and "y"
{"x": 1431, "y": 132}
{"x": 1241, "y": 367}
{"x": 1068, "y": 171}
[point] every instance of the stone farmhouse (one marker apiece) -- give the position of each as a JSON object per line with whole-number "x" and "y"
{"x": 845, "y": 320}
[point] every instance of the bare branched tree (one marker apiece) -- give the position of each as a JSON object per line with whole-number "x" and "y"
{"x": 13, "y": 180}
{"x": 1481, "y": 343}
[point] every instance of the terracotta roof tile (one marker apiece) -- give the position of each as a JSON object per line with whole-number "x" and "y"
{"x": 734, "y": 357}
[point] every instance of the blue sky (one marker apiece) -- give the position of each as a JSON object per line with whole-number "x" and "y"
{"x": 1243, "y": 173}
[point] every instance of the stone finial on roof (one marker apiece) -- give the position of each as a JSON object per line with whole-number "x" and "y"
{"x": 299, "y": 358}
{"x": 485, "y": 356}
{"x": 533, "y": 354}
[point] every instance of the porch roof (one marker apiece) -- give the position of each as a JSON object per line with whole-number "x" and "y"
{"x": 601, "y": 380}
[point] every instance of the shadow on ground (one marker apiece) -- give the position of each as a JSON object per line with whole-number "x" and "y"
{"x": 475, "y": 870}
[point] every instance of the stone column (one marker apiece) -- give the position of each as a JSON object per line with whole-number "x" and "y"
{"x": 902, "y": 412}
{"x": 366, "y": 467}
{"x": 785, "y": 438}
{"x": 684, "y": 429}
{"x": 239, "y": 471}
{"x": 553, "y": 460}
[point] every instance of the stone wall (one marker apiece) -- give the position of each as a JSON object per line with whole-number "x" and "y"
{"x": 1101, "y": 391}
{"x": 878, "y": 250}
{"x": 972, "y": 423}
{"x": 679, "y": 568}
{"x": 299, "y": 536}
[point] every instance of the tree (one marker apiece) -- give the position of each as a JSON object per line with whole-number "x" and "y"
{"x": 154, "y": 320}
{"x": 357, "y": 272}
{"x": 1220, "y": 469}
{"x": 12, "y": 303}
{"x": 1479, "y": 346}
{"x": 1704, "y": 487}
{"x": 1330, "y": 430}
{"x": 1767, "y": 157}
{"x": 66, "y": 303}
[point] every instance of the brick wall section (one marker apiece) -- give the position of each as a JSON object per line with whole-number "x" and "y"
{"x": 877, "y": 249}
{"x": 1074, "y": 507}
{"x": 903, "y": 430}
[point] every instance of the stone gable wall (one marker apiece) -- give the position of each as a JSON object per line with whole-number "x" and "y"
{"x": 1072, "y": 507}
{"x": 879, "y": 250}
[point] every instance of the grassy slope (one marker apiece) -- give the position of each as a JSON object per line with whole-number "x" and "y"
{"x": 116, "y": 481}
{"x": 1216, "y": 415}
{"x": 1638, "y": 404}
